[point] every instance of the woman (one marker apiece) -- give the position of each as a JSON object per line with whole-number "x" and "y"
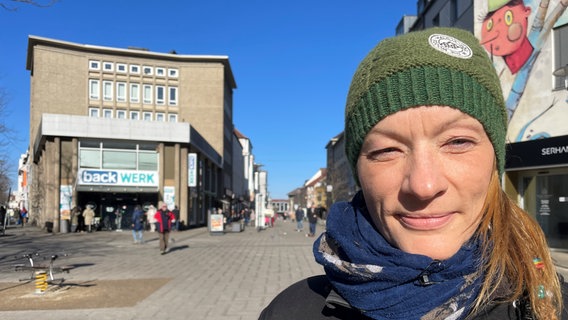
{"x": 431, "y": 234}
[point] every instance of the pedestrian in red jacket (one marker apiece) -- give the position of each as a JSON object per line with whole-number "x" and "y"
{"x": 164, "y": 219}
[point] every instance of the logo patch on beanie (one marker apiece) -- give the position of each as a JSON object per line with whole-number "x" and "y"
{"x": 450, "y": 46}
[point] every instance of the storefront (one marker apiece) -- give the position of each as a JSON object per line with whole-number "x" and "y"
{"x": 112, "y": 169}
{"x": 538, "y": 172}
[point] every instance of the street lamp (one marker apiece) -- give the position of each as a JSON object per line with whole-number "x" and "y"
{"x": 562, "y": 72}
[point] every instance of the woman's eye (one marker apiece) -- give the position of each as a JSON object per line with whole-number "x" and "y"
{"x": 382, "y": 154}
{"x": 460, "y": 143}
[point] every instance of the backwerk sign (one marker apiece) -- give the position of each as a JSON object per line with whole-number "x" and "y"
{"x": 118, "y": 178}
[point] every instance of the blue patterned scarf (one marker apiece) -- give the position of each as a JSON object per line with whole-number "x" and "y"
{"x": 387, "y": 283}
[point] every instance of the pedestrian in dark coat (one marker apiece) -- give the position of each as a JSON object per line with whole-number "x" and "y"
{"x": 313, "y": 220}
{"x": 299, "y": 219}
{"x": 138, "y": 225}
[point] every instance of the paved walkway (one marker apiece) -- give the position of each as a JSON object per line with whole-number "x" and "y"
{"x": 216, "y": 277}
{"x": 229, "y": 276}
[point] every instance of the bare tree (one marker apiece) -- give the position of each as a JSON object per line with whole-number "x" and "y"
{"x": 4, "y": 181}
{"x": 5, "y": 135}
{"x": 12, "y": 5}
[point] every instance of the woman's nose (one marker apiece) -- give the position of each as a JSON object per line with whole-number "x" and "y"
{"x": 425, "y": 177}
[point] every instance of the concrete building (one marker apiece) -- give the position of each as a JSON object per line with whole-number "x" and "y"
{"x": 316, "y": 189}
{"x": 262, "y": 197}
{"x": 112, "y": 127}
{"x": 341, "y": 185}
{"x": 247, "y": 161}
{"x": 531, "y": 59}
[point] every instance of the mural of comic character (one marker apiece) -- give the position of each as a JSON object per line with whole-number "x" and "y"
{"x": 516, "y": 31}
{"x": 505, "y": 32}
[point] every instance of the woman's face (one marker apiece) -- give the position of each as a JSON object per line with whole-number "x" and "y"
{"x": 424, "y": 173}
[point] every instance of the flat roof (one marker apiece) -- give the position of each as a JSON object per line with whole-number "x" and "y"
{"x": 132, "y": 52}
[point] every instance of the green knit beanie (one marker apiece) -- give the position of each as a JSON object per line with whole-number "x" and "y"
{"x": 436, "y": 66}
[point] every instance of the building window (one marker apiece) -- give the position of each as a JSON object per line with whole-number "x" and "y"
{"x": 94, "y": 90}
{"x": 119, "y": 159}
{"x": 94, "y": 65}
{"x": 172, "y": 117}
{"x": 108, "y": 66}
{"x": 147, "y": 71}
{"x": 160, "y": 94}
{"x": 147, "y": 94}
{"x": 160, "y": 117}
{"x": 147, "y": 116}
{"x": 173, "y": 73}
{"x": 94, "y": 112}
{"x": 89, "y": 158}
{"x": 173, "y": 96}
{"x": 97, "y": 155}
{"x": 121, "y": 67}
{"x": 107, "y": 90}
{"x": 134, "y": 92}
{"x": 121, "y": 114}
{"x": 160, "y": 72}
{"x": 134, "y": 115}
{"x": 107, "y": 113}
{"x": 561, "y": 56}
{"x": 147, "y": 160}
{"x": 134, "y": 69}
{"x": 121, "y": 91}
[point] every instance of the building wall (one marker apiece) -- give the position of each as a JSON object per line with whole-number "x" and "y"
{"x": 541, "y": 109}
{"x": 60, "y": 74}
{"x": 532, "y": 72}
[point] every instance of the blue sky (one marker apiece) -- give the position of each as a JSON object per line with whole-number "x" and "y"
{"x": 292, "y": 60}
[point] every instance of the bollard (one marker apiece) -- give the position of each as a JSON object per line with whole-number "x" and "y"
{"x": 40, "y": 282}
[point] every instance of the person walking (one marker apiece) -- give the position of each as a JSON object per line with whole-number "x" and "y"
{"x": 150, "y": 213}
{"x": 299, "y": 219}
{"x": 75, "y": 212}
{"x": 164, "y": 218}
{"x": 175, "y": 224}
{"x": 138, "y": 225}
{"x": 120, "y": 212}
{"x": 89, "y": 215}
{"x": 24, "y": 215}
{"x": 431, "y": 234}
{"x": 313, "y": 220}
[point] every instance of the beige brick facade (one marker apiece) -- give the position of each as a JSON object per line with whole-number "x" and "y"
{"x": 127, "y": 99}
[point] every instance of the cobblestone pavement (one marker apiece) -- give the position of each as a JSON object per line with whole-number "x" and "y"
{"x": 218, "y": 277}
{"x": 228, "y": 276}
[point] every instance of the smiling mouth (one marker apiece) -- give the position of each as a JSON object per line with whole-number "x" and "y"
{"x": 425, "y": 223}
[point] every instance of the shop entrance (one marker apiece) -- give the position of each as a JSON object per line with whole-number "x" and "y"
{"x": 545, "y": 196}
{"x": 107, "y": 205}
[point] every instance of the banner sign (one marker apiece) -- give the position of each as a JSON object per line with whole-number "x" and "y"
{"x": 65, "y": 197}
{"x": 217, "y": 223}
{"x": 118, "y": 178}
{"x": 192, "y": 170}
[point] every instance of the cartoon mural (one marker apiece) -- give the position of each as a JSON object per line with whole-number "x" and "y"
{"x": 517, "y": 35}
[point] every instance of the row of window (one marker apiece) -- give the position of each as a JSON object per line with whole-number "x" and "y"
{"x": 121, "y": 91}
{"x": 100, "y": 157}
{"x": 132, "y": 115}
{"x": 107, "y": 66}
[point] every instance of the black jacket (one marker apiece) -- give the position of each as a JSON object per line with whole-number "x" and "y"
{"x": 313, "y": 299}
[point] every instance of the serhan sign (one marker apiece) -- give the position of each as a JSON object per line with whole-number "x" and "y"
{"x": 118, "y": 178}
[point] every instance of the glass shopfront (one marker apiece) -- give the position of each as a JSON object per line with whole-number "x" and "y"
{"x": 542, "y": 169}
{"x": 545, "y": 197}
